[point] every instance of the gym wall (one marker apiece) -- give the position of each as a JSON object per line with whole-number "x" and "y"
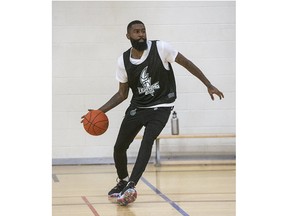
{"x": 89, "y": 36}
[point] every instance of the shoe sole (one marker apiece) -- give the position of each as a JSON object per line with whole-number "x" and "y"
{"x": 113, "y": 195}
{"x": 129, "y": 196}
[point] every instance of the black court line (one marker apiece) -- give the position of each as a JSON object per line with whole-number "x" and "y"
{"x": 148, "y": 202}
{"x": 173, "y": 204}
{"x": 146, "y": 194}
{"x": 55, "y": 178}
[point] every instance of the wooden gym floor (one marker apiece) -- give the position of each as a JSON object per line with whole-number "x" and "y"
{"x": 196, "y": 190}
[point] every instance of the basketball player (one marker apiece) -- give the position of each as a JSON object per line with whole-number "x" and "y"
{"x": 146, "y": 69}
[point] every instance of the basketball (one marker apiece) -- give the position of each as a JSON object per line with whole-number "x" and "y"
{"x": 95, "y": 122}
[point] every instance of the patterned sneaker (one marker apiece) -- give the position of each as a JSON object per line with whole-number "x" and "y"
{"x": 128, "y": 194}
{"x": 114, "y": 192}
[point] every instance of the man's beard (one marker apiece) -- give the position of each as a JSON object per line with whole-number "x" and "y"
{"x": 140, "y": 46}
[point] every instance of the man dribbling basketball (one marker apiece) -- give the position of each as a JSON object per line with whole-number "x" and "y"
{"x": 146, "y": 69}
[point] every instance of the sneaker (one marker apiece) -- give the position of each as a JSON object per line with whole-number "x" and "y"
{"x": 114, "y": 192}
{"x": 128, "y": 194}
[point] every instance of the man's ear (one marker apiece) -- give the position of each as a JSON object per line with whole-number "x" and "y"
{"x": 128, "y": 36}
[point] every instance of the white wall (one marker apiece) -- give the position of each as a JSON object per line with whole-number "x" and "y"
{"x": 89, "y": 36}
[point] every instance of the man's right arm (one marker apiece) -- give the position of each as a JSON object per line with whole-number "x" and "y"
{"x": 118, "y": 98}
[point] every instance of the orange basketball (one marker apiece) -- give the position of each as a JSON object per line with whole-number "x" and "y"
{"x": 95, "y": 122}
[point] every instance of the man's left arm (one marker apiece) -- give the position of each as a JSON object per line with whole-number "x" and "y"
{"x": 193, "y": 69}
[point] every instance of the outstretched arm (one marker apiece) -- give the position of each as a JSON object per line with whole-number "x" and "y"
{"x": 193, "y": 69}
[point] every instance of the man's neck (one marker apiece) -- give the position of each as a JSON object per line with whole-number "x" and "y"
{"x": 136, "y": 54}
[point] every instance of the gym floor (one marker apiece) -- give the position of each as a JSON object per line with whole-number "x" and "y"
{"x": 183, "y": 189}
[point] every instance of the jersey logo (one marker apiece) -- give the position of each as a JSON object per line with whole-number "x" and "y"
{"x": 145, "y": 80}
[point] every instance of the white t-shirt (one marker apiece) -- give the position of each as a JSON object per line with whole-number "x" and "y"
{"x": 167, "y": 54}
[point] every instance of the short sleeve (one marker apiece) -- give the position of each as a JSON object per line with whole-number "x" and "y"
{"x": 166, "y": 51}
{"x": 121, "y": 74}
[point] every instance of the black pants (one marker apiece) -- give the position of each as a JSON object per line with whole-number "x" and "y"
{"x": 154, "y": 120}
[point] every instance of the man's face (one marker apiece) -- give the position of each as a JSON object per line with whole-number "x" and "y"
{"x": 137, "y": 36}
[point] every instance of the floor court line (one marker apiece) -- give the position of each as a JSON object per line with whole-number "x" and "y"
{"x": 173, "y": 204}
{"x": 90, "y": 206}
{"x": 55, "y": 178}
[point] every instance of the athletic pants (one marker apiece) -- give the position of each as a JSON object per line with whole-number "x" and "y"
{"x": 154, "y": 120}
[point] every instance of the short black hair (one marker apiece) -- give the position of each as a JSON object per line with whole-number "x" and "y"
{"x": 132, "y": 23}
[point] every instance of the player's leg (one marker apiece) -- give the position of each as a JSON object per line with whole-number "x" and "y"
{"x": 155, "y": 122}
{"x": 129, "y": 129}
